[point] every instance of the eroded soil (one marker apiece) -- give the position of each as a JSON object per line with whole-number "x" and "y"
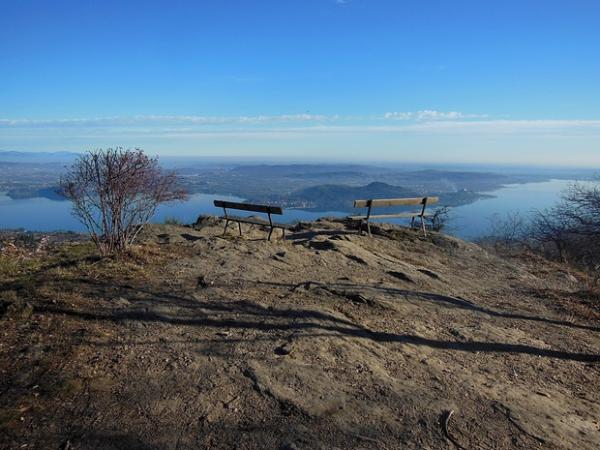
{"x": 324, "y": 340}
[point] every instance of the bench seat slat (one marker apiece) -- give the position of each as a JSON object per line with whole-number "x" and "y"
{"x": 391, "y": 216}
{"x": 383, "y": 202}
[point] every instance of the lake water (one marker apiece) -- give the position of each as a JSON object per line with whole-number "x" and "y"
{"x": 473, "y": 220}
{"x": 468, "y": 222}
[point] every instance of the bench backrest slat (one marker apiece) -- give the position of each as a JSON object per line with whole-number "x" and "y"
{"x": 267, "y": 209}
{"x": 382, "y": 202}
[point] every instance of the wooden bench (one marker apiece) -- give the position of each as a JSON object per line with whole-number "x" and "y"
{"x": 388, "y": 202}
{"x": 265, "y": 209}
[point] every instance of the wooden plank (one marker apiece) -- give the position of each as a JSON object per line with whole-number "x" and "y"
{"x": 267, "y": 209}
{"x": 390, "y": 216}
{"x": 382, "y": 202}
{"x": 399, "y": 215}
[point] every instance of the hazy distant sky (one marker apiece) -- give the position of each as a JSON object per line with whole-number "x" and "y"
{"x": 477, "y": 81}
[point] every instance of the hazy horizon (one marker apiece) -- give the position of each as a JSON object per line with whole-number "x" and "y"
{"x": 292, "y": 160}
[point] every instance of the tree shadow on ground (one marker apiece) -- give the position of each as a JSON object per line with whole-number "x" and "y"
{"x": 251, "y": 316}
{"x": 457, "y": 302}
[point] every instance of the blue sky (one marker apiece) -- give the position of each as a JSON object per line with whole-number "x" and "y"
{"x": 478, "y": 81}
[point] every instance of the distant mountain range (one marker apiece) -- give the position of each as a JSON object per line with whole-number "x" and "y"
{"x": 305, "y": 170}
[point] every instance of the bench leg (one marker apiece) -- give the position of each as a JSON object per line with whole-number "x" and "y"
{"x": 412, "y": 222}
{"x": 226, "y": 225}
{"x": 283, "y": 233}
{"x": 360, "y": 227}
{"x": 423, "y": 226}
{"x": 270, "y": 233}
{"x": 369, "y": 228}
{"x": 240, "y": 228}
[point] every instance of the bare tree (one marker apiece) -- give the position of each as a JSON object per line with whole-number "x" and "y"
{"x": 581, "y": 205}
{"x": 115, "y": 192}
{"x": 438, "y": 220}
{"x": 508, "y": 230}
{"x": 552, "y": 226}
{"x": 572, "y": 227}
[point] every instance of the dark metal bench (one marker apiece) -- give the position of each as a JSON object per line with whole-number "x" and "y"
{"x": 265, "y": 209}
{"x": 387, "y": 202}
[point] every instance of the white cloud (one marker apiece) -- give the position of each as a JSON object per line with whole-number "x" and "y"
{"x": 165, "y": 120}
{"x": 507, "y": 126}
{"x": 423, "y": 122}
{"x": 399, "y": 115}
{"x": 465, "y": 139}
{"x": 429, "y": 114}
{"x": 192, "y": 120}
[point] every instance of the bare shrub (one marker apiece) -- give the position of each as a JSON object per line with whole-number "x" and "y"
{"x": 570, "y": 231}
{"x": 581, "y": 205}
{"x": 507, "y": 231}
{"x": 552, "y": 232}
{"x": 439, "y": 219}
{"x": 115, "y": 192}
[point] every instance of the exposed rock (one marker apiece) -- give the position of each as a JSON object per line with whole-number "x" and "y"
{"x": 429, "y": 273}
{"x": 121, "y": 302}
{"x": 203, "y": 283}
{"x": 284, "y": 349}
{"x": 322, "y": 244}
{"x": 401, "y": 276}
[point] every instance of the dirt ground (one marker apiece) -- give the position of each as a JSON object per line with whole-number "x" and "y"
{"x": 324, "y": 340}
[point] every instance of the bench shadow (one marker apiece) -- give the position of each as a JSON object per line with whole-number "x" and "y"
{"x": 310, "y": 234}
{"x": 190, "y": 237}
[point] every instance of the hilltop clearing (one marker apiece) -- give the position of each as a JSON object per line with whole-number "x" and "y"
{"x": 325, "y": 340}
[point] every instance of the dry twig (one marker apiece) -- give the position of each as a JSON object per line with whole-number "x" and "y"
{"x": 445, "y": 420}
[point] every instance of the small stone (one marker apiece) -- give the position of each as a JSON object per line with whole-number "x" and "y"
{"x": 120, "y": 301}
{"x": 284, "y": 349}
{"x": 203, "y": 282}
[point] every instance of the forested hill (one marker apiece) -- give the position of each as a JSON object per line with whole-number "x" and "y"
{"x": 336, "y": 197}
